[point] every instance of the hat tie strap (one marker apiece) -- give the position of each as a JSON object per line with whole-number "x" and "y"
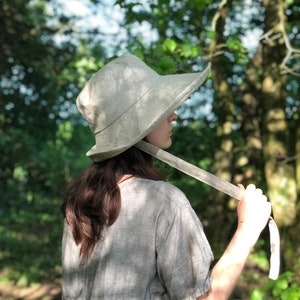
{"x": 221, "y": 185}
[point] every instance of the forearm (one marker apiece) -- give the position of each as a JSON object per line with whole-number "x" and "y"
{"x": 253, "y": 214}
{"x": 230, "y": 266}
{"x": 228, "y": 269}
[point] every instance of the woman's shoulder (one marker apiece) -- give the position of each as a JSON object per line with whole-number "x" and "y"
{"x": 155, "y": 185}
{"x": 157, "y": 189}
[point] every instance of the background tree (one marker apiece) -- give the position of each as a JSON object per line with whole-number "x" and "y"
{"x": 41, "y": 139}
{"x": 225, "y": 111}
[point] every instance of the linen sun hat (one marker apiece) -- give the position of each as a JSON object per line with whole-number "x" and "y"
{"x": 125, "y": 100}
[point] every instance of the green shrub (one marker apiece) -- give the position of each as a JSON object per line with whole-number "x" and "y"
{"x": 286, "y": 287}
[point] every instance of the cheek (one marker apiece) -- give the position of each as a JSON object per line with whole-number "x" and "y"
{"x": 160, "y": 137}
{"x": 153, "y": 136}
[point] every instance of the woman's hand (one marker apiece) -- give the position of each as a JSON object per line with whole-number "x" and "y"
{"x": 253, "y": 212}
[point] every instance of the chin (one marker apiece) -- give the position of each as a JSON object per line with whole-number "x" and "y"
{"x": 167, "y": 145}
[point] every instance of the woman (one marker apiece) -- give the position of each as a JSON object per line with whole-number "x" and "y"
{"x": 129, "y": 234}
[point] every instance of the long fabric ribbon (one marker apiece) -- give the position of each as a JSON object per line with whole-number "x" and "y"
{"x": 221, "y": 185}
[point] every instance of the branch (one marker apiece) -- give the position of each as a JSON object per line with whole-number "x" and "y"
{"x": 286, "y": 159}
{"x": 277, "y": 32}
{"x": 217, "y": 15}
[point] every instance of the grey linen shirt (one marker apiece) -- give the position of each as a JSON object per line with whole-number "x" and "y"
{"x": 156, "y": 249}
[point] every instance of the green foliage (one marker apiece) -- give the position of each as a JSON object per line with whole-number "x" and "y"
{"x": 286, "y": 287}
{"x": 234, "y": 45}
{"x": 31, "y": 221}
{"x": 289, "y": 2}
{"x": 39, "y": 150}
{"x": 170, "y": 45}
{"x": 196, "y": 140}
{"x": 30, "y": 238}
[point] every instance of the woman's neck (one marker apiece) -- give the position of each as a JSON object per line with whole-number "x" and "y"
{"x": 125, "y": 177}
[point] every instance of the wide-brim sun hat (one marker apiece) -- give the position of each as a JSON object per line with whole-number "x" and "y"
{"x": 126, "y": 99}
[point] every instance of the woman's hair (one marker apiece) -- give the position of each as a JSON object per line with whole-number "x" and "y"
{"x": 92, "y": 201}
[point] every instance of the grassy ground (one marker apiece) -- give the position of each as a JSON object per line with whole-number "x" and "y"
{"x": 47, "y": 291}
{"x": 30, "y": 249}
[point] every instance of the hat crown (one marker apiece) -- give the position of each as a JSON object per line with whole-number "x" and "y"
{"x": 113, "y": 90}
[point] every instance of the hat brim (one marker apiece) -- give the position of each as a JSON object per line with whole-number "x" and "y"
{"x": 168, "y": 93}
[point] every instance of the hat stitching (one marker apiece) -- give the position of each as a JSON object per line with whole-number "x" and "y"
{"x": 180, "y": 98}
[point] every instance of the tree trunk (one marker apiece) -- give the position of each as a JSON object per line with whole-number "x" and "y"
{"x": 224, "y": 110}
{"x": 250, "y": 163}
{"x": 298, "y": 159}
{"x": 280, "y": 176}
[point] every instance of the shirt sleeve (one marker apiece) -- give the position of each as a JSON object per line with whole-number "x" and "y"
{"x": 184, "y": 255}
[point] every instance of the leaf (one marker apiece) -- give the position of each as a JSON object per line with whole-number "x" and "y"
{"x": 281, "y": 284}
{"x": 289, "y": 2}
{"x": 170, "y": 45}
{"x": 158, "y": 50}
{"x": 196, "y": 51}
{"x": 211, "y": 34}
{"x": 186, "y": 50}
{"x": 167, "y": 64}
{"x": 257, "y": 295}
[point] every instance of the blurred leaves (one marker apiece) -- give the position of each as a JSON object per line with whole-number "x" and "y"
{"x": 286, "y": 287}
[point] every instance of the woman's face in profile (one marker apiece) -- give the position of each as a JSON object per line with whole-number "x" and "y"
{"x": 161, "y": 136}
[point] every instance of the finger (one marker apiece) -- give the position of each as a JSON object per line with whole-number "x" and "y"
{"x": 264, "y": 198}
{"x": 259, "y": 191}
{"x": 251, "y": 188}
{"x": 241, "y": 186}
